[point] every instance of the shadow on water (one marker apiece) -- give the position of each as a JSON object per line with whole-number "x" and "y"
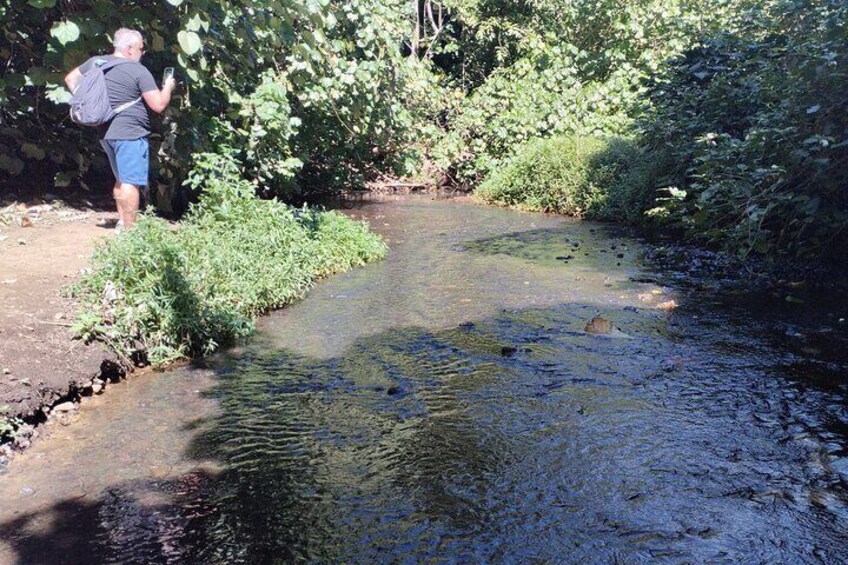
{"x": 517, "y": 438}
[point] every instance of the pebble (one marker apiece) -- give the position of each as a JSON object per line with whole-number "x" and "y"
{"x": 27, "y": 491}
{"x": 65, "y": 407}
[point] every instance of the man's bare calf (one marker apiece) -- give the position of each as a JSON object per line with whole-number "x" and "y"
{"x": 127, "y": 200}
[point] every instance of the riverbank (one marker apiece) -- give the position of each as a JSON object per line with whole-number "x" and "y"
{"x": 44, "y": 246}
{"x": 153, "y": 296}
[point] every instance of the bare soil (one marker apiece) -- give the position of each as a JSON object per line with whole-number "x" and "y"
{"x": 43, "y": 249}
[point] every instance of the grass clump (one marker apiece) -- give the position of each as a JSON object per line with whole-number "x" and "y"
{"x": 169, "y": 293}
{"x": 585, "y": 177}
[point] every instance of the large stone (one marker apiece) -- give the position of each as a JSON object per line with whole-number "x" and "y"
{"x": 65, "y": 407}
{"x": 598, "y": 325}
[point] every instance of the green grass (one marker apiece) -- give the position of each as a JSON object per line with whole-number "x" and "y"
{"x": 179, "y": 293}
{"x": 585, "y": 177}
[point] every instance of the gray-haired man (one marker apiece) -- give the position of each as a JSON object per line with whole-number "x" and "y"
{"x": 124, "y": 138}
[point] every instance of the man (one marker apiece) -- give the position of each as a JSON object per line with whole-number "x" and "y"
{"x": 124, "y": 138}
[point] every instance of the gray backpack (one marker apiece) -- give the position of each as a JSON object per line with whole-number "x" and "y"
{"x": 90, "y": 102}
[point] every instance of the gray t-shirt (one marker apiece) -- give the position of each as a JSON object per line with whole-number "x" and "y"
{"x": 125, "y": 83}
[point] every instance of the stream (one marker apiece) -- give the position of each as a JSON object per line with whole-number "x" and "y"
{"x": 447, "y": 405}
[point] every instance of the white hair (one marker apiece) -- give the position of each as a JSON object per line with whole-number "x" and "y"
{"x": 126, "y": 37}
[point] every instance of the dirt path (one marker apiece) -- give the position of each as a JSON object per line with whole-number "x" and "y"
{"x": 43, "y": 249}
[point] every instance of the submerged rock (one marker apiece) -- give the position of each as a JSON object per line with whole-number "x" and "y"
{"x": 598, "y": 326}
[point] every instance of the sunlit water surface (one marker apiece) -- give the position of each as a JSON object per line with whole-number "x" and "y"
{"x": 446, "y": 404}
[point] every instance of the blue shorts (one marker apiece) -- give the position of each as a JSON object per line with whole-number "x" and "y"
{"x": 129, "y": 158}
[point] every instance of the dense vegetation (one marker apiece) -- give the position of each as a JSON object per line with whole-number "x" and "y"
{"x": 741, "y": 128}
{"x": 756, "y": 127}
{"x": 586, "y": 177}
{"x": 167, "y": 294}
{"x": 732, "y": 110}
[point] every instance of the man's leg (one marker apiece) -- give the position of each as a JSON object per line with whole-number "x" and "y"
{"x": 116, "y": 188}
{"x": 132, "y": 159}
{"x": 127, "y": 198}
{"x": 116, "y": 194}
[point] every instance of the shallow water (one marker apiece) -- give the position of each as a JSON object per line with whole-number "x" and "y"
{"x": 446, "y": 405}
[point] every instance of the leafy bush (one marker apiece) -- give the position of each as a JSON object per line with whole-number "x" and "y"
{"x": 756, "y": 125}
{"x": 558, "y": 67}
{"x": 586, "y": 177}
{"x": 301, "y": 94}
{"x": 539, "y": 96}
{"x": 175, "y": 293}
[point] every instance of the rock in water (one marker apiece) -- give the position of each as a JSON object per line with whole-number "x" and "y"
{"x": 508, "y": 351}
{"x": 598, "y": 325}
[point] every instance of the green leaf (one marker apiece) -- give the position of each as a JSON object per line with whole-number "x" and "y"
{"x": 62, "y": 180}
{"x": 41, "y": 4}
{"x": 36, "y": 76}
{"x": 12, "y": 165}
{"x": 65, "y": 32}
{"x": 189, "y": 42}
{"x": 194, "y": 23}
{"x": 33, "y": 151}
{"x": 58, "y": 95}
{"x": 158, "y": 42}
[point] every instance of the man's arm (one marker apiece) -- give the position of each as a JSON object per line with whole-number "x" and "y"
{"x": 158, "y": 100}
{"x": 73, "y": 78}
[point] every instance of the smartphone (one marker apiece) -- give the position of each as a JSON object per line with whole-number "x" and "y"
{"x": 167, "y": 73}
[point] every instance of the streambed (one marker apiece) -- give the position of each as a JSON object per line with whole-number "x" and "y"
{"x": 446, "y": 404}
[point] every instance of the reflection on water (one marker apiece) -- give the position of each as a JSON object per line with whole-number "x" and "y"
{"x": 445, "y": 405}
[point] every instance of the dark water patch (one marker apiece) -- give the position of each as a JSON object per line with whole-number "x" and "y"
{"x": 588, "y": 451}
